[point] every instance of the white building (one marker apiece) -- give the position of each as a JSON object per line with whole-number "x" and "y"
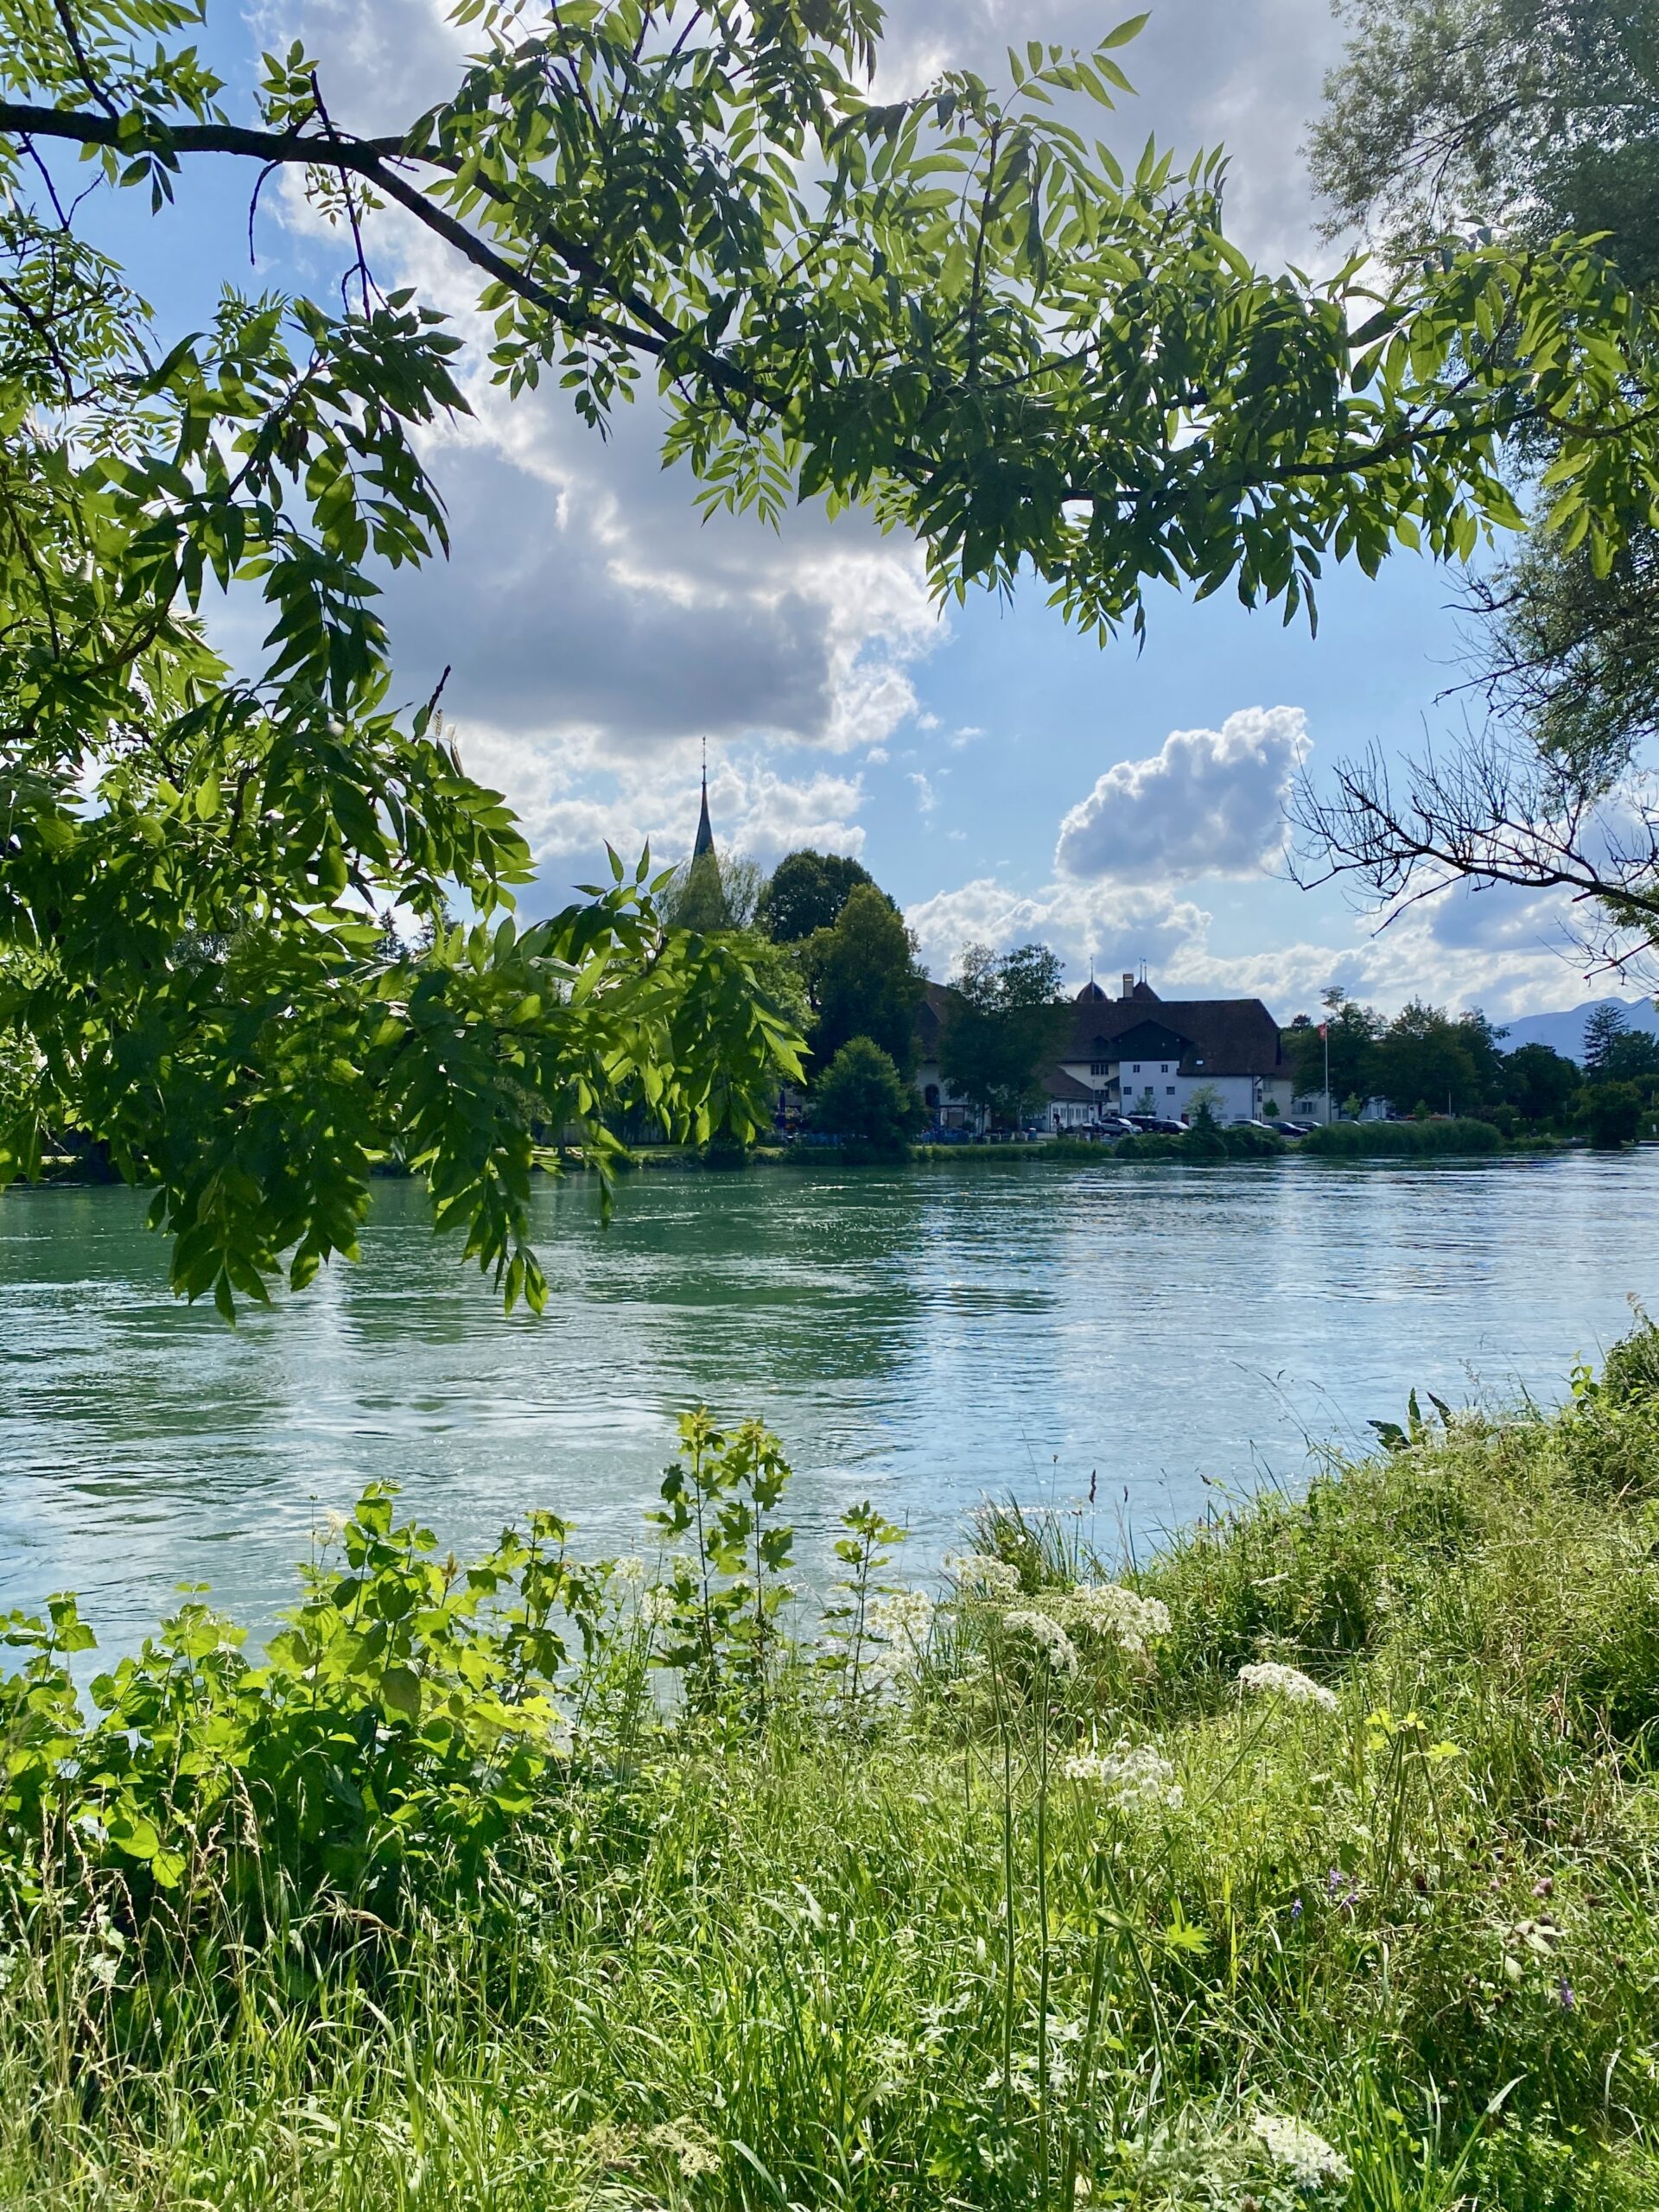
{"x": 1141, "y": 1054}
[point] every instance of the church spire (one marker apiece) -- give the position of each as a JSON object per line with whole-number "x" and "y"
{"x": 702, "y": 905}
{"x": 705, "y": 829}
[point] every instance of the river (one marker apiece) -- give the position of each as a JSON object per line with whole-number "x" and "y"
{"x": 922, "y": 1338}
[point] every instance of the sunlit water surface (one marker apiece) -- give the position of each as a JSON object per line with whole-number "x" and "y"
{"x": 921, "y": 1338}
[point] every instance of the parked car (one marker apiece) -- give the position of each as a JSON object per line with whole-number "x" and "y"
{"x": 1154, "y": 1125}
{"x": 1296, "y": 1128}
{"x": 1117, "y": 1125}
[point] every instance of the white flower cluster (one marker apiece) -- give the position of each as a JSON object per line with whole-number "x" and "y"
{"x": 656, "y": 1605}
{"x": 1054, "y": 1647}
{"x": 1122, "y": 1617}
{"x": 1128, "y": 1777}
{"x": 629, "y": 1571}
{"x": 1306, "y": 2156}
{"x": 1265, "y": 1678}
{"x": 977, "y": 1576}
{"x": 902, "y": 1618}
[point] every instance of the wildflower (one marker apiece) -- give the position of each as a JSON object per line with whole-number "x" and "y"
{"x": 692, "y": 2151}
{"x": 1267, "y": 1678}
{"x": 1564, "y": 1993}
{"x": 903, "y": 1618}
{"x": 658, "y": 1604}
{"x": 1306, "y": 2156}
{"x": 1127, "y": 1777}
{"x": 976, "y": 1575}
{"x": 331, "y": 1527}
{"x": 1296, "y": 1909}
{"x": 1054, "y": 1647}
{"x": 628, "y": 1573}
{"x": 1124, "y": 1616}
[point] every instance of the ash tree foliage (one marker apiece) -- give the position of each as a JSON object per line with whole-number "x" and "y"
{"x": 1528, "y": 119}
{"x": 961, "y": 310}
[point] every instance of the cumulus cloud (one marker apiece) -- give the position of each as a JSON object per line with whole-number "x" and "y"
{"x": 1209, "y": 803}
{"x": 572, "y": 798}
{"x": 1510, "y": 967}
{"x": 1115, "y": 928}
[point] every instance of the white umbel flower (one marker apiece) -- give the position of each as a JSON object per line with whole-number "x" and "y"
{"x": 1265, "y": 1678}
{"x": 658, "y": 1605}
{"x": 976, "y": 1575}
{"x": 902, "y": 1618}
{"x": 1127, "y": 1777}
{"x": 1308, "y": 2160}
{"x": 1120, "y": 1616}
{"x": 1054, "y": 1647}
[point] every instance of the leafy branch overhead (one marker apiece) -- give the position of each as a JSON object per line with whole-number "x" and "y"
{"x": 961, "y": 306}
{"x": 961, "y": 311}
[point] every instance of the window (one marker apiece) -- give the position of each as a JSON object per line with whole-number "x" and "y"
{"x": 1100, "y": 1067}
{"x": 1170, "y": 1089}
{"x": 1163, "y": 1069}
{"x": 1136, "y": 1069}
{"x": 930, "y": 1096}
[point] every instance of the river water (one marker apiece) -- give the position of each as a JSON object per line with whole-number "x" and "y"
{"x": 924, "y": 1337}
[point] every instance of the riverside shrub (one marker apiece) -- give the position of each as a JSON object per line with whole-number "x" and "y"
{"x": 1071, "y": 1885}
{"x": 1401, "y": 1140}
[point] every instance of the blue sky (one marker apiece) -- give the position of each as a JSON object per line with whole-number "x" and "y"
{"x": 598, "y": 633}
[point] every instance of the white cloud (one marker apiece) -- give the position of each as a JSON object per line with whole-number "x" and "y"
{"x": 1429, "y": 951}
{"x": 1209, "y": 803}
{"x": 1116, "y": 928}
{"x": 927, "y": 798}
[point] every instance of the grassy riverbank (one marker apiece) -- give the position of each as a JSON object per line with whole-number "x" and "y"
{"x": 1022, "y": 1900}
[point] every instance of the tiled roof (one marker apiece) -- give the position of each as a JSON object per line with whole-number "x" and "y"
{"x": 1218, "y": 1036}
{"x": 1214, "y": 1037}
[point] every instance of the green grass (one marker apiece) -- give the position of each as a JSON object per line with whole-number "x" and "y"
{"x": 882, "y": 1951}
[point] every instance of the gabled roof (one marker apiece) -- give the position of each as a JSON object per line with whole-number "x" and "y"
{"x": 1217, "y": 1036}
{"x": 1058, "y": 1084}
{"x": 1211, "y": 1037}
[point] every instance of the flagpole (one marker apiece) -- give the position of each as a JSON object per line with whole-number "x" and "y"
{"x": 1324, "y": 1031}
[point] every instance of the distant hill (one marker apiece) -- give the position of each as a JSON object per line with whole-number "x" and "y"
{"x": 1564, "y": 1031}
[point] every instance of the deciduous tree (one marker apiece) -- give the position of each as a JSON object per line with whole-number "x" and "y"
{"x": 806, "y": 891}
{"x": 1007, "y": 1019}
{"x": 862, "y": 1098}
{"x": 953, "y": 308}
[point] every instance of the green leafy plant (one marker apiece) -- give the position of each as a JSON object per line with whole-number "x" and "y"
{"x": 725, "y": 1590}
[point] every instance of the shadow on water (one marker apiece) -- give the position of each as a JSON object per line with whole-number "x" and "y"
{"x": 920, "y": 1336}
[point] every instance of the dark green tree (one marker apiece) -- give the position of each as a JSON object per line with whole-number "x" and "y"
{"x": 1613, "y": 1113}
{"x": 806, "y": 893}
{"x": 862, "y": 1098}
{"x": 1425, "y": 1057}
{"x": 1603, "y": 1028}
{"x": 1541, "y": 1085}
{"x": 1614, "y": 1053}
{"x": 1351, "y": 1031}
{"x": 865, "y": 981}
{"x": 1006, "y": 1020}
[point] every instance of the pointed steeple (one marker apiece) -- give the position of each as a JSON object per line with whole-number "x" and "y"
{"x": 703, "y": 904}
{"x": 705, "y": 828}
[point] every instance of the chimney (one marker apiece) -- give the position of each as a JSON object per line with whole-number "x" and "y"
{"x": 1129, "y": 983}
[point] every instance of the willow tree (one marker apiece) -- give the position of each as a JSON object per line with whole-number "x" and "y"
{"x": 960, "y": 311}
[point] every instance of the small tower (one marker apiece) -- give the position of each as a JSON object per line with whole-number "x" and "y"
{"x": 704, "y": 904}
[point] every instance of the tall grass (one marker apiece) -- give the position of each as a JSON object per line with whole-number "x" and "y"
{"x": 1401, "y": 1140}
{"x": 1033, "y": 1904}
